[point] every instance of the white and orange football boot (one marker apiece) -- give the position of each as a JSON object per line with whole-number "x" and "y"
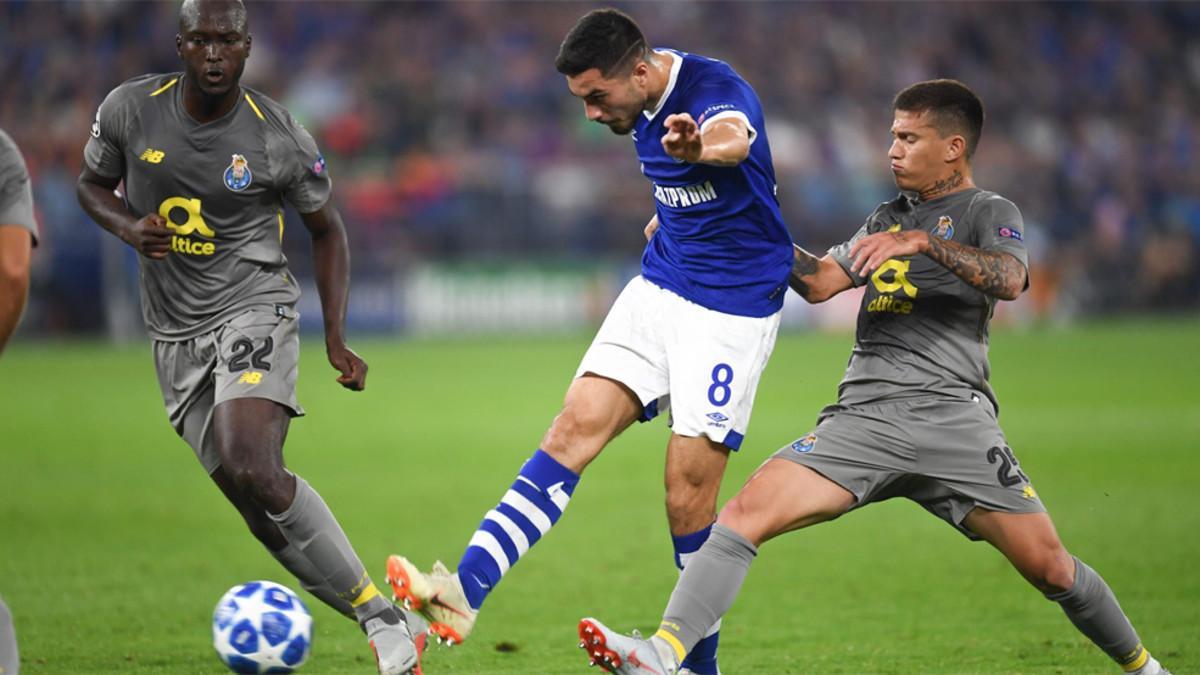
{"x": 438, "y": 596}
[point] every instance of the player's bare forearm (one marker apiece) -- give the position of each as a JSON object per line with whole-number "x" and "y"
{"x": 96, "y": 196}
{"x": 804, "y": 268}
{"x": 816, "y": 279}
{"x": 995, "y": 273}
{"x": 148, "y": 235}
{"x": 12, "y": 302}
{"x": 726, "y": 151}
{"x": 331, "y": 260}
{"x": 725, "y": 142}
{"x": 331, "y": 263}
{"x": 15, "y": 245}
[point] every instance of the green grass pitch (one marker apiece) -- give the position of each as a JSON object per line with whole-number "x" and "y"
{"x": 114, "y": 546}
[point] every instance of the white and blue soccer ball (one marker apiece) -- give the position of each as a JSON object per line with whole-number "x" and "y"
{"x": 262, "y": 627}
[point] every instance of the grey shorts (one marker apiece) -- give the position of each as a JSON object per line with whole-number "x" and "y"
{"x": 948, "y": 455}
{"x": 256, "y": 354}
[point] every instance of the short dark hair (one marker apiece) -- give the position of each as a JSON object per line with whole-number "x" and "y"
{"x": 952, "y": 105}
{"x": 190, "y": 11}
{"x": 607, "y": 39}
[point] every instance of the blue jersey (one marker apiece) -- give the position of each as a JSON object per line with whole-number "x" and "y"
{"x": 721, "y": 241}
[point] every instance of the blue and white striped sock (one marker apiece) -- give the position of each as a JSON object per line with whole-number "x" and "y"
{"x": 528, "y": 510}
{"x": 702, "y": 660}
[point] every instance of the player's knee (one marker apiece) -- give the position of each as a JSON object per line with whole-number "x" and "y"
{"x": 1058, "y": 574}
{"x": 691, "y": 504}
{"x": 1053, "y": 571}
{"x": 748, "y": 519}
{"x": 684, "y": 503}
{"x": 577, "y": 434}
{"x": 267, "y": 486}
{"x": 736, "y": 514}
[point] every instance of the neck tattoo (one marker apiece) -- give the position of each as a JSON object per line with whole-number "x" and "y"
{"x": 943, "y": 186}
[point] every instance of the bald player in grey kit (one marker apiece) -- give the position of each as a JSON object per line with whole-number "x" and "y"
{"x": 18, "y": 236}
{"x": 207, "y": 165}
{"x": 915, "y": 416}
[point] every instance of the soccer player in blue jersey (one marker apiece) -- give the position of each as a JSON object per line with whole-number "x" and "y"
{"x": 915, "y": 415}
{"x": 691, "y": 334}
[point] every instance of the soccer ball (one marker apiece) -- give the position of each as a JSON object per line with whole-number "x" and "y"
{"x": 262, "y": 627}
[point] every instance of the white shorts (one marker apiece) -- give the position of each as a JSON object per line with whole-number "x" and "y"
{"x": 700, "y": 365}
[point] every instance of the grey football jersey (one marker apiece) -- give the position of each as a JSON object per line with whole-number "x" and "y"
{"x": 16, "y": 193}
{"x": 220, "y": 186}
{"x": 921, "y": 329}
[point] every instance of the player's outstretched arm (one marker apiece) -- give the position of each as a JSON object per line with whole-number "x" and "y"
{"x": 995, "y": 273}
{"x": 148, "y": 235}
{"x": 331, "y": 260}
{"x": 817, "y": 279}
{"x": 725, "y": 142}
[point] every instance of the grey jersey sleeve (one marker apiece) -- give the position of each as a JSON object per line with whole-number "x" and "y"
{"x": 841, "y": 253}
{"x": 105, "y": 150}
{"x": 16, "y": 192}
{"x": 999, "y": 227}
{"x": 303, "y": 176}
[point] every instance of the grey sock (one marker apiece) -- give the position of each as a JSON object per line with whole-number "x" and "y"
{"x": 310, "y": 527}
{"x": 310, "y": 579}
{"x": 1092, "y": 607}
{"x": 10, "y": 661}
{"x": 707, "y": 587}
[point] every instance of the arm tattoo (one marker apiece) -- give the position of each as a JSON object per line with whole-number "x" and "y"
{"x": 804, "y": 264}
{"x": 995, "y": 273}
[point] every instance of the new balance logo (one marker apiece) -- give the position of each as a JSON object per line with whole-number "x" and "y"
{"x": 153, "y": 156}
{"x": 250, "y": 377}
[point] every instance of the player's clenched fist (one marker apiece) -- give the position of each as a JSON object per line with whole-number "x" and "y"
{"x": 682, "y": 140}
{"x": 149, "y": 236}
{"x": 351, "y": 366}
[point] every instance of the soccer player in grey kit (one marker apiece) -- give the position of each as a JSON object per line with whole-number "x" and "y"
{"x": 18, "y": 236}
{"x": 915, "y": 416}
{"x": 207, "y": 165}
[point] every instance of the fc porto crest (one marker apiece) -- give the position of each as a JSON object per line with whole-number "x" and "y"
{"x": 237, "y": 174}
{"x": 944, "y": 228}
{"x": 805, "y": 445}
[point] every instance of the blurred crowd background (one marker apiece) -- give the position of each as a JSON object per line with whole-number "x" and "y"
{"x": 469, "y": 178}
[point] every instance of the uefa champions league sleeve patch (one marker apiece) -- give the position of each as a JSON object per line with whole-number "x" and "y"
{"x": 237, "y": 174}
{"x": 1009, "y": 233}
